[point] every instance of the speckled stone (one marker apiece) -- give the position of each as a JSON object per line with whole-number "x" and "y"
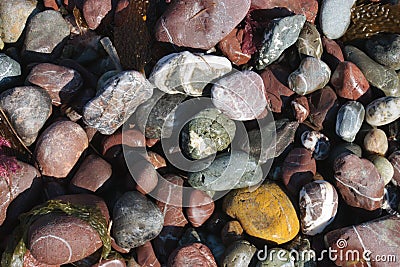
{"x": 208, "y": 132}
{"x": 359, "y": 182}
{"x": 45, "y": 31}
{"x": 318, "y": 203}
{"x": 312, "y": 74}
{"x": 117, "y": 101}
{"x": 383, "y": 111}
{"x": 309, "y": 42}
{"x": 228, "y": 171}
{"x": 349, "y": 120}
{"x": 239, "y": 254}
{"x": 240, "y": 95}
{"x": 136, "y": 220}
{"x": 284, "y": 33}
{"x": 276, "y": 257}
{"x": 28, "y": 108}
{"x": 384, "y": 167}
{"x": 195, "y": 24}
{"x": 9, "y": 69}
{"x": 335, "y": 17}
{"x": 316, "y": 142}
{"x": 379, "y": 76}
{"x": 262, "y": 211}
{"x": 375, "y": 142}
{"x": 13, "y": 16}
{"x": 187, "y": 73}
{"x": 385, "y": 49}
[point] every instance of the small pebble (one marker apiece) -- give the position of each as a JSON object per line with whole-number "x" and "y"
{"x": 335, "y": 17}
{"x": 375, "y": 142}
{"x": 318, "y": 203}
{"x": 195, "y": 254}
{"x": 201, "y": 207}
{"x": 240, "y": 95}
{"x": 383, "y": 111}
{"x": 94, "y": 11}
{"x": 349, "y": 120}
{"x": 9, "y": 69}
{"x": 239, "y": 254}
{"x": 384, "y": 167}
{"x": 301, "y": 108}
{"x": 332, "y": 54}
{"x": 187, "y": 73}
{"x": 316, "y": 142}
{"x": 313, "y": 74}
{"x": 309, "y": 42}
{"x": 144, "y": 174}
{"x": 385, "y": 49}
{"x": 231, "y": 47}
{"x": 284, "y": 33}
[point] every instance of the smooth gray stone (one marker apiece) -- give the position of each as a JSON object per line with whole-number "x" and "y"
{"x": 227, "y": 171}
{"x": 136, "y": 220}
{"x": 9, "y": 69}
{"x": 385, "y": 49}
{"x": 284, "y": 33}
{"x": 239, "y": 254}
{"x": 335, "y": 17}
{"x": 379, "y": 76}
{"x": 349, "y": 120}
{"x": 45, "y": 32}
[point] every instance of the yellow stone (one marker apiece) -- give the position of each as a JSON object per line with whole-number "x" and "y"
{"x": 266, "y": 212}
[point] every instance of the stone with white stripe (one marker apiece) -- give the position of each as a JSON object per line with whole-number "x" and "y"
{"x": 318, "y": 206}
{"x": 359, "y": 182}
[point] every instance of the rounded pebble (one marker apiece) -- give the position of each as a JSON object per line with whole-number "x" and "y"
{"x": 375, "y": 142}
{"x": 349, "y": 120}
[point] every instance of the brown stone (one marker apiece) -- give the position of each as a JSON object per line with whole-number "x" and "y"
{"x": 231, "y": 47}
{"x": 299, "y": 169}
{"x": 59, "y": 147}
{"x": 359, "y": 182}
{"x": 321, "y": 102}
{"x": 146, "y": 256}
{"x": 51, "y": 4}
{"x": 195, "y": 254}
{"x": 151, "y": 141}
{"x": 30, "y": 261}
{"x": 119, "y": 16}
{"x": 145, "y": 176}
{"x": 231, "y": 232}
{"x": 131, "y": 138}
{"x": 94, "y": 11}
{"x": 156, "y": 160}
{"x": 300, "y": 108}
{"x": 92, "y": 174}
{"x": 348, "y": 81}
{"x": 201, "y": 207}
{"x": 376, "y": 142}
{"x": 275, "y": 80}
{"x": 308, "y": 8}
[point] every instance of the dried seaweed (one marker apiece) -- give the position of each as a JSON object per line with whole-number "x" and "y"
{"x": 132, "y": 39}
{"x": 15, "y": 251}
{"x": 373, "y": 18}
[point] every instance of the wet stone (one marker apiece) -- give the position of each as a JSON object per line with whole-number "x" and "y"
{"x": 309, "y": 42}
{"x": 27, "y": 108}
{"x": 208, "y": 132}
{"x": 228, "y": 171}
{"x": 379, "y": 76}
{"x": 187, "y": 73}
{"x": 195, "y": 254}
{"x": 45, "y": 32}
{"x": 196, "y": 24}
{"x": 60, "y": 82}
{"x": 375, "y": 142}
{"x": 312, "y": 74}
{"x": 13, "y": 16}
{"x": 117, "y": 101}
{"x": 240, "y": 95}
{"x": 359, "y": 182}
{"x": 385, "y": 49}
{"x": 335, "y": 17}
{"x": 383, "y": 111}
{"x": 384, "y": 167}
{"x": 316, "y": 142}
{"x": 239, "y": 254}
{"x": 136, "y": 220}
{"x": 284, "y": 33}
{"x": 94, "y": 11}
{"x": 349, "y": 120}
{"x": 318, "y": 203}
{"x": 9, "y": 69}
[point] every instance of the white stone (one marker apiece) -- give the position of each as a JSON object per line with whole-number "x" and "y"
{"x": 383, "y": 111}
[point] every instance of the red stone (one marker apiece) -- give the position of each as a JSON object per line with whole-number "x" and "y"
{"x": 332, "y": 54}
{"x": 320, "y": 103}
{"x": 201, "y": 207}
{"x": 111, "y": 263}
{"x": 146, "y": 256}
{"x": 145, "y": 176}
{"x": 30, "y": 261}
{"x": 195, "y": 254}
{"x": 299, "y": 169}
{"x": 94, "y": 11}
{"x": 309, "y": 8}
{"x": 51, "y": 4}
{"x": 231, "y": 47}
{"x": 300, "y": 108}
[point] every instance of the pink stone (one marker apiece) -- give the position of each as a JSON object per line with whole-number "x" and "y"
{"x": 201, "y": 207}
{"x": 94, "y": 11}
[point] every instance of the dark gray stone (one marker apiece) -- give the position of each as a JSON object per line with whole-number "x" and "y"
{"x": 208, "y": 132}
{"x": 27, "y": 108}
{"x": 385, "y": 49}
{"x": 283, "y": 34}
{"x": 117, "y": 101}
{"x": 379, "y": 76}
{"x": 136, "y": 220}
{"x": 9, "y": 69}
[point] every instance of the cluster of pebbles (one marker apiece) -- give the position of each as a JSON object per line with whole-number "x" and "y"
{"x": 289, "y": 133}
